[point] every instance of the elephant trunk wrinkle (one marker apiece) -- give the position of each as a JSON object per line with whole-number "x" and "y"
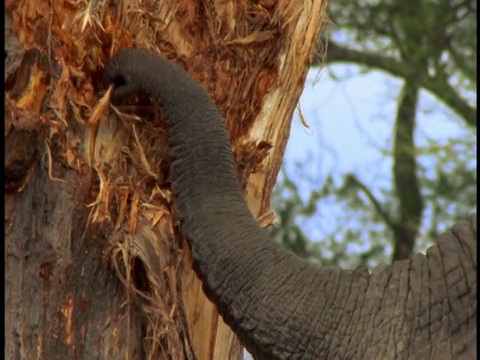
{"x": 279, "y": 305}
{"x": 258, "y": 286}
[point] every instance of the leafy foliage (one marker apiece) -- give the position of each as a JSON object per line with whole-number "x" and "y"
{"x": 360, "y": 237}
{"x": 431, "y": 45}
{"x": 449, "y": 183}
{"x": 431, "y": 41}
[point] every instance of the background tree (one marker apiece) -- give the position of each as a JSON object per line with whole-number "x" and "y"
{"x": 95, "y": 268}
{"x": 430, "y": 46}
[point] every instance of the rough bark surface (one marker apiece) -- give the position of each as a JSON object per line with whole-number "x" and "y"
{"x": 94, "y": 265}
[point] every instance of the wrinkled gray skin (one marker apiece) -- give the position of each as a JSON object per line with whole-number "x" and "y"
{"x": 279, "y": 305}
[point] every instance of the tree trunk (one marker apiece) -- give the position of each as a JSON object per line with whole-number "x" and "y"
{"x": 95, "y": 268}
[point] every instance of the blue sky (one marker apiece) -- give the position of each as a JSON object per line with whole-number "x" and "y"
{"x": 352, "y": 118}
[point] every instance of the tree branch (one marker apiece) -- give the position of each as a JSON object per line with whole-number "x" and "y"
{"x": 437, "y": 85}
{"x": 407, "y": 187}
{"x": 376, "y": 204}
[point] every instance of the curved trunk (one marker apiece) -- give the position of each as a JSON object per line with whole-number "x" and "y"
{"x": 279, "y": 305}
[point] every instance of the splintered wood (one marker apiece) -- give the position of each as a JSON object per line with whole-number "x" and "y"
{"x": 109, "y": 166}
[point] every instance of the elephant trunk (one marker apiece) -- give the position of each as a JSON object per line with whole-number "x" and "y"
{"x": 264, "y": 292}
{"x": 281, "y": 306}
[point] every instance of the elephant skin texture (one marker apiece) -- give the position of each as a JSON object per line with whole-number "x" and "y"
{"x": 279, "y": 305}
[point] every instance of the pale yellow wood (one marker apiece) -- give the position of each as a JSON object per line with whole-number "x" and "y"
{"x": 273, "y": 125}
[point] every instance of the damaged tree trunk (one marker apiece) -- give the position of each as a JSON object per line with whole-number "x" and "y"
{"x": 95, "y": 268}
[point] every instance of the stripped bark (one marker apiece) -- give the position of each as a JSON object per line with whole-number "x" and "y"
{"x": 95, "y": 268}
